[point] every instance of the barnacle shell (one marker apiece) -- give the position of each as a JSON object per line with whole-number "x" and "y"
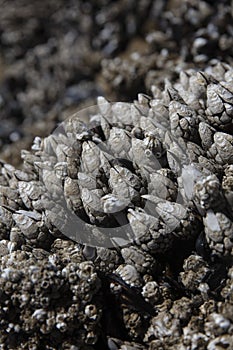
{"x": 129, "y": 274}
{"x": 218, "y": 229}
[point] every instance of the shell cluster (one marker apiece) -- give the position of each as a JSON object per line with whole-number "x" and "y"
{"x": 55, "y": 57}
{"x": 151, "y": 256}
{"x": 116, "y": 232}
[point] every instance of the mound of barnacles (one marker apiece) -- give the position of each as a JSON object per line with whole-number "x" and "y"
{"x": 117, "y": 233}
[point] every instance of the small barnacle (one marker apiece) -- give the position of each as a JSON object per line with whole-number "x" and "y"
{"x": 164, "y": 328}
{"x": 224, "y": 146}
{"x": 149, "y": 233}
{"x": 106, "y": 259}
{"x": 206, "y": 133}
{"x": 119, "y": 142}
{"x": 195, "y": 270}
{"x": 28, "y": 222}
{"x": 30, "y": 191}
{"x": 183, "y": 121}
{"x": 124, "y": 184}
{"x": 151, "y": 292}
{"x": 142, "y": 261}
{"x": 207, "y": 193}
{"x": 72, "y": 194}
{"x": 129, "y": 275}
{"x": 218, "y": 230}
{"x": 163, "y": 184}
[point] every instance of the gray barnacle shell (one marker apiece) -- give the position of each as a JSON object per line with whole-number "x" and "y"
{"x": 72, "y": 194}
{"x": 159, "y": 113}
{"x": 30, "y": 191}
{"x": 149, "y": 233}
{"x": 207, "y": 193}
{"x": 151, "y": 292}
{"x": 123, "y": 183}
{"x": 106, "y": 259}
{"x": 219, "y": 105}
{"x": 28, "y": 222}
{"x": 206, "y": 133}
{"x": 119, "y": 142}
{"x": 183, "y": 121}
{"x": 142, "y": 261}
{"x": 195, "y": 269}
{"x": 181, "y": 221}
{"x": 163, "y": 328}
{"x": 92, "y": 203}
{"x": 129, "y": 275}
{"x": 163, "y": 184}
{"x": 219, "y": 233}
{"x": 224, "y": 146}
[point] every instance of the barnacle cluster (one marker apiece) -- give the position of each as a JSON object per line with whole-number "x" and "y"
{"x": 117, "y": 230}
{"x": 151, "y": 185}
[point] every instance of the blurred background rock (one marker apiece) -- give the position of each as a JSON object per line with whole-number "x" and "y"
{"x": 56, "y": 57}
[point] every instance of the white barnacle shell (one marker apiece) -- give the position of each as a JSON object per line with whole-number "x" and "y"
{"x": 119, "y": 142}
{"x": 189, "y": 175}
{"x": 6, "y": 216}
{"x": 151, "y": 292}
{"x": 225, "y": 341}
{"x": 207, "y": 192}
{"x": 92, "y": 199}
{"x": 129, "y": 274}
{"x": 104, "y": 106}
{"x": 61, "y": 170}
{"x": 86, "y": 270}
{"x": 39, "y": 314}
{"x": 91, "y": 311}
{"x": 206, "y": 133}
{"x": 87, "y": 181}
{"x": 124, "y": 183}
{"x": 170, "y": 212}
{"x": 113, "y": 204}
{"x": 28, "y": 222}
{"x": 90, "y": 158}
{"x": 159, "y": 113}
{"x": 183, "y": 120}
{"x": 214, "y": 101}
{"x": 219, "y": 233}
{"x": 162, "y": 185}
{"x": 176, "y": 152}
{"x": 143, "y": 157}
{"x": 121, "y": 112}
{"x": 142, "y": 223}
{"x": 216, "y": 323}
{"x": 51, "y": 182}
{"x": 150, "y": 127}
{"x": 72, "y": 193}
{"x": 11, "y": 274}
{"x": 29, "y": 191}
{"x": 163, "y": 326}
{"x": 224, "y": 145}
{"x": 142, "y": 261}
{"x": 149, "y": 233}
